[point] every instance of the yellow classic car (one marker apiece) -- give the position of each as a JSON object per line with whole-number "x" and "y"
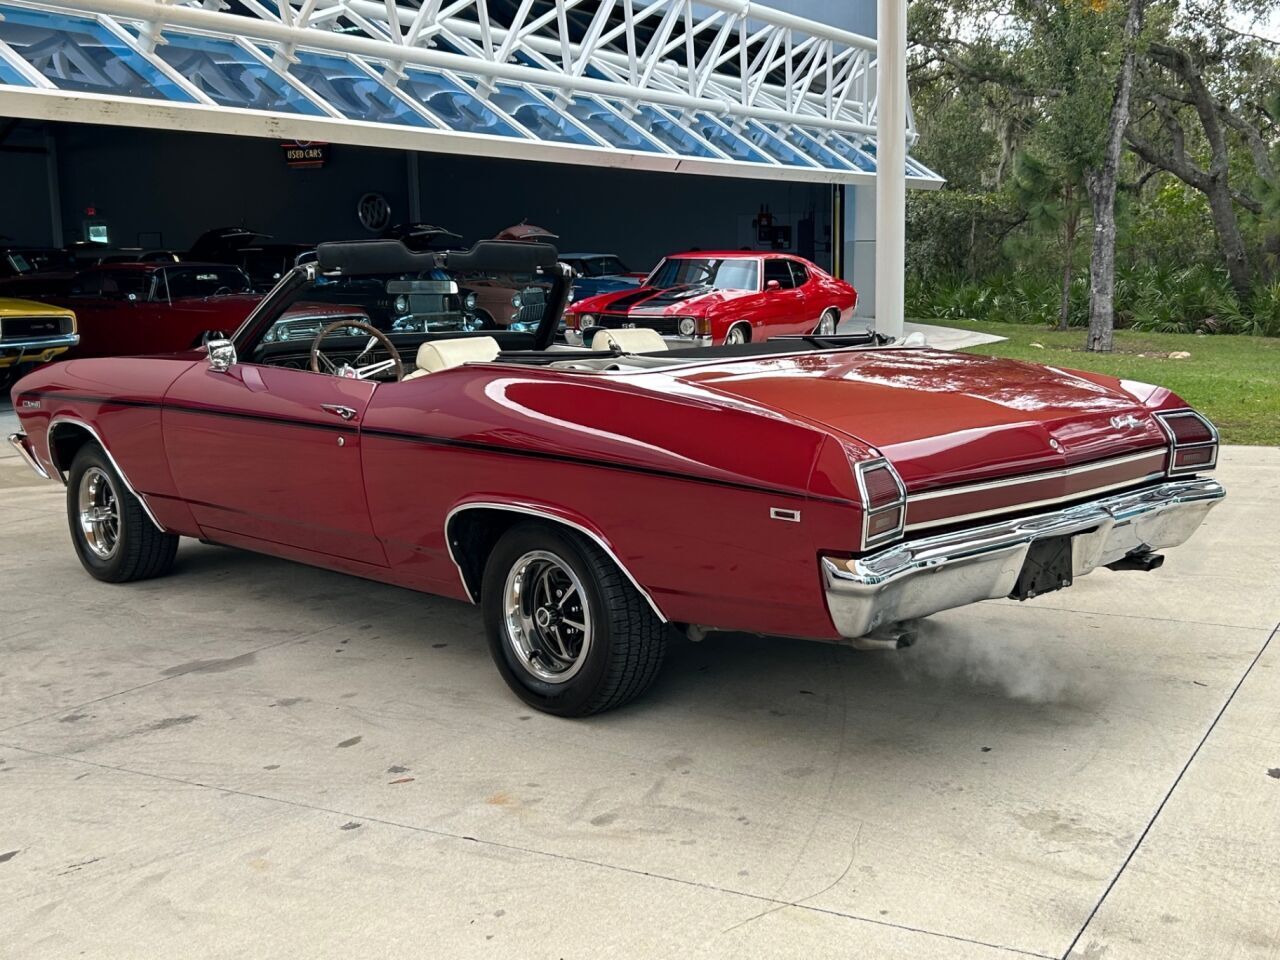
{"x": 32, "y": 333}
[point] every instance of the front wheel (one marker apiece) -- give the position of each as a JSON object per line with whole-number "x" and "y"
{"x": 569, "y": 633}
{"x": 738, "y": 334}
{"x": 113, "y": 536}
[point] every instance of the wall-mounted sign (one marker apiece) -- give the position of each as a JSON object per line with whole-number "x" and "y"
{"x": 374, "y": 211}
{"x": 305, "y": 154}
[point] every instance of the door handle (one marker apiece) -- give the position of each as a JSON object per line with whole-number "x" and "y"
{"x": 346, "y": 413}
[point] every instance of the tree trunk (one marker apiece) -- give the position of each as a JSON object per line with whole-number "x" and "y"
{"x": 1226, "y": 225}
{"x": 1102, "y": 194}
{"x": 1068, "y": 267}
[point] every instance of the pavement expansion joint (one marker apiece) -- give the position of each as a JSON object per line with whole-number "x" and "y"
{"x": 1169, "y": 793}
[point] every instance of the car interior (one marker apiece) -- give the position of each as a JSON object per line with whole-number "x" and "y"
{"x": 380, "y": 310}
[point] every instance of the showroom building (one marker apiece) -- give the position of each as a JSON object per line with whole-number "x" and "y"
{"x": 635, "y": 127}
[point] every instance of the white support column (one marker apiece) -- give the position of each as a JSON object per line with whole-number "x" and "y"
{"x": 891, "y": 157}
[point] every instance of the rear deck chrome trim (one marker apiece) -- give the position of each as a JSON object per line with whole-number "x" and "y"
{"x": 1037, "y": 477}
{"x": 1158, "y": 455}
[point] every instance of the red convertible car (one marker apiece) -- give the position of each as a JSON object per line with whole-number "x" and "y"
{"x": 706, "y": 299}
{"x": 590, "y": 501}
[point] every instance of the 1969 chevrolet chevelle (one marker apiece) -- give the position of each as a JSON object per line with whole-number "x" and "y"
{"x": 591, "y": 500}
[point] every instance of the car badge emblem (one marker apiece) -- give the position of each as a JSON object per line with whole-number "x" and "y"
{"x": 1127, "y": 422}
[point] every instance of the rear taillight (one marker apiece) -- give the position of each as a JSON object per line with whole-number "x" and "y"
{"x": 1193, "y": 441}
{"x": 884, "y": 497}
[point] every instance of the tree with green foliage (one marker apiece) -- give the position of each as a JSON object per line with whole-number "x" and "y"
{"x": 1054, "y": 201}
{"x": 1194, "y": 203}
{"x": 1211, "y": 108}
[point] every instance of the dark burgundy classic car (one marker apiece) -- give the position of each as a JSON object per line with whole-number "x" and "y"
{"x": 133, "y": 308}
{"x": 833, "y": 488}
{"x": 708, "y": 298}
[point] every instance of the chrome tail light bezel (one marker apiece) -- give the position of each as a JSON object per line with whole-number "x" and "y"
{"x": 1163, "y": 417}
{"x": 860, "y": 470}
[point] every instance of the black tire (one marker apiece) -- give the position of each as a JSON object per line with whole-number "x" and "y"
{"x": 627, "y": 643}
{"x": 141, "y": 549}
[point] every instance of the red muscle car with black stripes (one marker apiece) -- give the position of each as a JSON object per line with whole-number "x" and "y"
{"x": 722, "y": 297}
{"x": 592, "y": 501}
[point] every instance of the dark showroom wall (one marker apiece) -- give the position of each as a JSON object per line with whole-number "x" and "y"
{"x": 639, "y": 216}
{"x": 157, "y": 188}
{"x": 24, "y": 190}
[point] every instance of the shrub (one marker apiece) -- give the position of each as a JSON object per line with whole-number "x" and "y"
{"x": 1196, "y": 299}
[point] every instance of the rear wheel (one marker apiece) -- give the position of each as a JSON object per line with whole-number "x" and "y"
{"x": 569, "y": 633}
{"x": 827, "y": 325}
{"x": 739, "y": 333}
{"x": 113, "y": 536}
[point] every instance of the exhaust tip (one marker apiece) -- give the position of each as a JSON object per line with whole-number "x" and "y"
{"x": 1139, "y": 561}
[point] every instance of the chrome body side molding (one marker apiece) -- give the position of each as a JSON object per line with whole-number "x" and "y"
{"x": 543, "y": 514}
{"x": 124, "y": 478}
{"x": 19, "y": 442}
{"x": 925, "y": 576}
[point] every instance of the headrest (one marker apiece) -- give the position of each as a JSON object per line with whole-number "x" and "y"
{"x": 630, "y": 340}
{"x": 437, "y": 355}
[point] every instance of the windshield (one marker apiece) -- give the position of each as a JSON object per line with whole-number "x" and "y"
{"x": 206, "y": 282}
{"x": 719, "y": 274}
{"x": 394, "y": 303}
{"x": 598, "y": 267}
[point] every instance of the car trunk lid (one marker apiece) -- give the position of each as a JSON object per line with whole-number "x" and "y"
{"x": 945, "y": 418}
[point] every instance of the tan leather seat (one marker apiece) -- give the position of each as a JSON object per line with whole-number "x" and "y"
{"x": 630, "y": 340}
{"x": 437, "y": 355}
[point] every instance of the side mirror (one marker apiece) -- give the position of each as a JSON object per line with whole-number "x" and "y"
{"x": 773, "y": 285}
{"x": 222, "y": 355}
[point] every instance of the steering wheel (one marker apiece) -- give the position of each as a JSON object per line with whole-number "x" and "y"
{"x": 347, "y": 370}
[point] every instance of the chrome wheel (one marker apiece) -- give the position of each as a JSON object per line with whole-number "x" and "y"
{"x": 736, "y": 335}
{"x": 99, "y": 513}
{"x": 547, "y": 620}
{"x": 827, "y": 325}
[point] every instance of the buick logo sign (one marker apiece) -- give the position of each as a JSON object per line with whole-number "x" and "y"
{"x": 374, "y": 212}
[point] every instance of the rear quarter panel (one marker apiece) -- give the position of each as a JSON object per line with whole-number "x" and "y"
{"x": 680, "y": 486}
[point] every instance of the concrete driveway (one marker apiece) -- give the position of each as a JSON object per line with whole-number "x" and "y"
{"x": 252, "y": 758}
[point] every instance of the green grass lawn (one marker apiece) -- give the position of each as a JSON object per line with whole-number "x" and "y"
{"x": 1234, "y": 381}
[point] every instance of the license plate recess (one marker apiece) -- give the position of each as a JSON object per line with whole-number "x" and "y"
{"x": 1048, "y": 567}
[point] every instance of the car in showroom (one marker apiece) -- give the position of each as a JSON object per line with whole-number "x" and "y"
{"x": 505, "y": 301}
{"x": 597, "y": 273}
{"x": 32, "y": 333}
{"x": 133, "y": 308}
{"x": 590, "y": 500}
{"x": 726, "y": 297}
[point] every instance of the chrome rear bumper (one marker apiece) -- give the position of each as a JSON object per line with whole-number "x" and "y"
{"x": 925, "y": 576}
{"x": 19, "y": 442}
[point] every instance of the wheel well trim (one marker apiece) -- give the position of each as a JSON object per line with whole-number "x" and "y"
{"x": 124, "y": 477}
{"x": 542, "y": 513}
